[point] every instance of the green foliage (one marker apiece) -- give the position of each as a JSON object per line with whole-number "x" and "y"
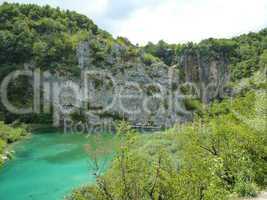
{"x": 78, "y": 117}
{"x": 222, "y": 152}
{"x": 214, "y": 46}
{"x": 263, "y": 58}
{"x": 48, "y": 38}
{"x": 2, "y": 147}
{"x": 210, "y": 158}
{"x": 193, "y": 104}
{"x": 246, "y": 189}
{"x": 163, "y": 51}
{"x": 244, "y": 68}
{"x": 45, "y": 35}
{"x": 124, "y": 42}
{"x": 257, "y": 82}
{"x": 149, "y": 59}
{"x": 10, "y": 134}
{"x": 249, "y": 55}
{"x": 123, "y": 128}
{"x": 45, "y": 38}
{"x": 245, "y": 54}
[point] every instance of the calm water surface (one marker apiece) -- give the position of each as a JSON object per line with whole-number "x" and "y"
{"x": 47, "y": 167}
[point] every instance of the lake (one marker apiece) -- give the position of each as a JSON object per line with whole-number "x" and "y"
{"x": 49, "y": 167}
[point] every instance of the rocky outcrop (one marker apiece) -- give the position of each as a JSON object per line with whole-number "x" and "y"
{"x": 207, "y": 73}
{"x": 140, "y": 94}
{"x": 145, "y": 95}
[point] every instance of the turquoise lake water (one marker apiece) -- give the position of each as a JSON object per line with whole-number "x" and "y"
{"x": 46, "y": 167}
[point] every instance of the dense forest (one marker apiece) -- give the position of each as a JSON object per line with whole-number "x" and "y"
{"x": 219, "y": 155}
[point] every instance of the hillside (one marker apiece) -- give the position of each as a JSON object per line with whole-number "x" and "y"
{"x": 46, "y": 38}
{"x": 221, "y": 155}
{"x": 207, "y": 102}
{"x": 50, "y": 39}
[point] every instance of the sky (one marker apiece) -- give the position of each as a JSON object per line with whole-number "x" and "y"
{"x": 174, "y": 21}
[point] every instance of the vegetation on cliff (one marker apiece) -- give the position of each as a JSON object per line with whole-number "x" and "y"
{"x": 223, "y": 151}
{"x": 245, "y": 53}
{"x": 219, "y": 154}
{"x": 43, "y": 37}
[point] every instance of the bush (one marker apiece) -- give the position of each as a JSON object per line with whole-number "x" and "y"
{"x": 148, "y": 59}
{"x": 207, "y": 159}
{"x": 192, "y": 104}
{"x": 244, "y": 189}
{"x": 9, "y": 134}
{"x": 2, "y": 146}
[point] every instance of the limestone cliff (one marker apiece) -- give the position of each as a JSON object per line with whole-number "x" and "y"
{"x": 145, "y": 95}
{"x": 208, "y": 73}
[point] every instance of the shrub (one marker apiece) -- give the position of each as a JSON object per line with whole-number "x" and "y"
{"x": 9, "y": 134}
{"x": 214, "y": 156}
{"x": 244, "y": 189}
{"x": 148, "y": 59}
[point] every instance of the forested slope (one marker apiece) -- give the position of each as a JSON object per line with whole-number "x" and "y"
{"x": 221, "y": 153}
{"x": 43, "y": 37}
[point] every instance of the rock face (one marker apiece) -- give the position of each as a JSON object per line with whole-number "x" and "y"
{"x": 140, "y": 94}
{"x": 208, "y": 74}
{"x": 145, "y": 95}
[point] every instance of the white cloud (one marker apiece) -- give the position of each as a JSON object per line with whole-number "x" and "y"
{"x": 172, "y": 20}
{"x": 194, "y": 20}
